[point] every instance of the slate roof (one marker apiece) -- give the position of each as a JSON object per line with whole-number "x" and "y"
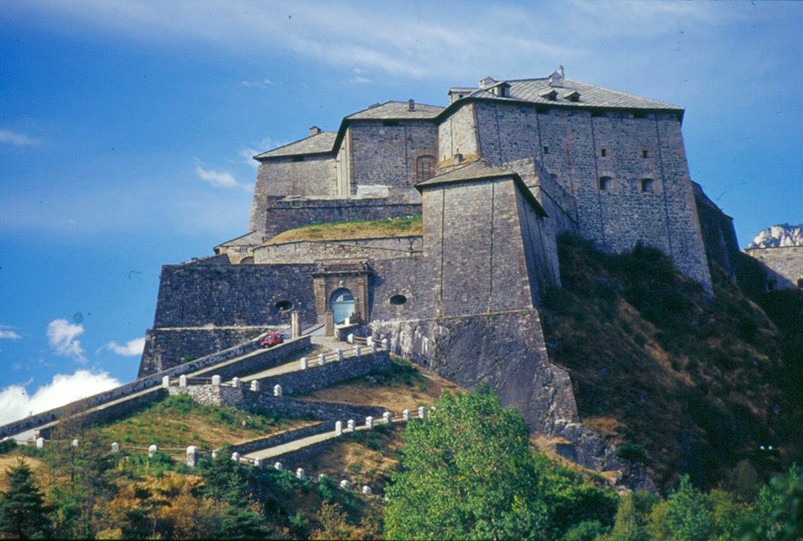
{"x": 397, "y": 110}
{"x": 534, "y": 90}
{"x": 314, "y": 144}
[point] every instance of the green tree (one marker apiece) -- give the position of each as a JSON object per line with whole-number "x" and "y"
{"x": 628, "y": 525}
{"x": 22, "y": 511}
{"x": 778, "y": 514}
{"x": 466, "y": 473}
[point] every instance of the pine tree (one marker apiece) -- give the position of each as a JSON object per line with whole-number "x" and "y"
{"x": 23, "y": 514}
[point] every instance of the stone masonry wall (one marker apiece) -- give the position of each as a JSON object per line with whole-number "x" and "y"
{"x": 386, "y": 154}
{"x": 719, "y": 235}
{"x": 411, "y": 277}
{"x": 457, "y": 134}
{"x": 289, "y": 213}
{"x": 784, "y": 265}
{"x": 313, "y": 175}
{"x": 233, "y": 295}
{"x": 312, "y": 251}
{"x": 570, "y": 144}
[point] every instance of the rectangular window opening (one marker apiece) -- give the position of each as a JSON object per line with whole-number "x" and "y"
{"x": 546, "y": 149}
{"x": 603, "y": 152}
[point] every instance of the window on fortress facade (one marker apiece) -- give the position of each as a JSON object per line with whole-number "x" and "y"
{"x": 605, "y": 184}
{"x": 546, "y": 149}
{"x": 425, "y": 167}
{"x": 647, "y": 185}
{"x": 603, "y": 152}
{"x": 645, "y": 154}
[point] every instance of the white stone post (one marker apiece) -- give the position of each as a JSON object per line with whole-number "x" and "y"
{"x": 277, "y": 390}
{"x": 214, "y": 454}
{"x": 235, "y": 456}
{"x": 322, "y": 358}
{"x": 339, "y": 428}
{"x": 235, "y": 382}
{"x": 192, "y": 456}
{"x": 384, "y": 343}
{"x": 300, "y": 473}
{"x": 152, "y": 449}
{"x": 255, "y": 385}
{"x": 166, "y": 382}
{"x": 74, "y": 443}
{"x": 351, "y": 425}
{"x": 373, "y": 347}
{"x": 387, "y": 417}
{"x": 366, "y": 490}
{"x": 406, "y": 415}
{"x": 40, "y": 443}
{"x": 340, "y": 354}
{"x": 115, "y": 447}
{"x": 216, "y": 381}
{"x": 369, "y": 341}
{"x": 350, "y": 338}
{"x": 357, "y": 351}
{"x": 347, "y": 321}
{"x": 259, "y": 463}
{"x": 369, "y": 423}
{"x": 422, "y": 412}
{"x": 345, "y": 484}
{"x": 278, "y": 466}
{"x": 304, "y": 363}
{"x": 182, "y": 380}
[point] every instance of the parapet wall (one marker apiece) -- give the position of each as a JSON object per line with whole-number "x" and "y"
{"x": 312, "y": 251}
{"x": 290, "y": 213}
{"x": 783, "y": 265}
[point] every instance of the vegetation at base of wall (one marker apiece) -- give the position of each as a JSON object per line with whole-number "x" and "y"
{"x": 357, "y": 229}
{"x": 657, "y": 362}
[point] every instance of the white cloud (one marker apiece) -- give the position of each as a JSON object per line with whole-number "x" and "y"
{"x": 63, "y": 338}
{"x": 221, "y": 179}
{"x": 16, "y": 403}
{"x": 132, "y": 348}
{"x": 360, "y": 81}
{"x": 8, "y": 334}
{"x": 264, "y": 83}
{"x": 18, "y": 139}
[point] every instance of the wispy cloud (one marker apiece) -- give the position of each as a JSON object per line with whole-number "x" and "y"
{"x": 18, "y": 139}
{"x": 63, "y": 338}
{"x": 264, "y": 83}
{"x": 16, "y": 403}
{"x": 220, "y": 179}
{"x": 132, "y": 348}
{"x": 6, "y": 333}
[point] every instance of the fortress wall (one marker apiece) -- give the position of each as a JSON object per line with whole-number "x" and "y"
{"x": 311, "y": 251}
{"x": 316, "y": 175}
{"x": 540, "y": 250}
{"x": 569, "y": 144}
{"x": 458, "y": 134}
{"x": 233, "y": 295}
{"x": 409, "y": 276}
{"x": 478, "y": 253}
{"x": 384, "y": 154}
{"x": 165, "y": 348}
{"x": 285, "y": 213}
{"x": 719, "y": 235}
{"x": 783, "y": 265}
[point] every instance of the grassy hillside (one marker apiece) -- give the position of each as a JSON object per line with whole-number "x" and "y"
{"x": 656, "y": 363}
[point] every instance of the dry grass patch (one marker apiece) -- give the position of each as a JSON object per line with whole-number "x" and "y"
{"x": 358, "y": 229}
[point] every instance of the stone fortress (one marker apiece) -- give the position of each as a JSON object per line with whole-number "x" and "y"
{"x": 496, "y": 175}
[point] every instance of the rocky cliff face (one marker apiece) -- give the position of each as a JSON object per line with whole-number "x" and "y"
{"x": 778, "y": 236}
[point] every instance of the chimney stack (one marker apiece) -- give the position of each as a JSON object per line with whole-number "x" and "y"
{"x": 411, "y": 104}
{"x": 314, "y": 130}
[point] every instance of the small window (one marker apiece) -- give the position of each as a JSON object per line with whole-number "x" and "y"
{"x": 398, "y": 300}
{"x": 605, "y": 184}
{"x": 603, "y": 152}
{"x": 647, "y": 185}
{"x": 546, "y": 149}
{"x": 645, "y": 153}
{"x": 284, "y": 306}
{"x": 425, "y": 168}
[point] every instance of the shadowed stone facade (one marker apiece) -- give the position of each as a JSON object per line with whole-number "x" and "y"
{"x": 497, "y": 174}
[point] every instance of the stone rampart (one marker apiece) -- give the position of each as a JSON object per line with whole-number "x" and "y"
{"x": 290, "y": 213}
{"x": 321, "y": 377}
{"x": 311, "y": 251}
{"x": 783, "y": 265}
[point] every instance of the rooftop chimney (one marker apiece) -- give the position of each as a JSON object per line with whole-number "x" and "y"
{"x": 314, "y": 130}
{"x": 411, "y": 104}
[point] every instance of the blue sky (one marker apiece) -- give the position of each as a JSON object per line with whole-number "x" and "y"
{"x": 127, "y": 127}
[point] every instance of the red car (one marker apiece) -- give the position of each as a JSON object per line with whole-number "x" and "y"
{"x": 271, "y": 339}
